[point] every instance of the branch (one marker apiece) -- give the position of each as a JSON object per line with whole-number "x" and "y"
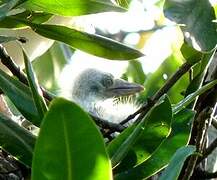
{"x": 208, "y": 99}
{"x": 15, "y": 70}
{"x": 108, "y": 125}
{"x": 164, "y": 89}
{"x": 202, "y": 130}
{"x": 214, "y": 122}
{"x": 208, "y": 151}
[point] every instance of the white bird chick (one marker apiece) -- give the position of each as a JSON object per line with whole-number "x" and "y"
{"x": 95, "y": 90}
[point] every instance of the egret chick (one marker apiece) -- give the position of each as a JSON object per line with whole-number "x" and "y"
{"x": 95, "y": 91}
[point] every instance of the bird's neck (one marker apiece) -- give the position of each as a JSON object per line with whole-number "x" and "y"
{"x": 108, "y": 109}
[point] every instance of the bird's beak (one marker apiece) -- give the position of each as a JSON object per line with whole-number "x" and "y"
{"x": 123, "y": 88}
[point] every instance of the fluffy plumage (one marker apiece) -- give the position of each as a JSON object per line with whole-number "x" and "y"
{"x": 95, "y": 91}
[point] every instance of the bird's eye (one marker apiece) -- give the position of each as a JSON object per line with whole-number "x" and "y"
{"x": 107, "y": 81}
{"x": 94, "y": 88}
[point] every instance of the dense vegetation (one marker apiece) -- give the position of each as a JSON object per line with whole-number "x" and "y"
{"x": 172, "y": 124}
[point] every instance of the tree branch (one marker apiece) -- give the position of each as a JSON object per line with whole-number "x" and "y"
{"x": 214, "y": 122}
{"x": 164, "y": 89}
{"x": 207, "y": 99}
{"x": 108, "y": 125}
{"x": 202, "y": 130}
{"x": 15, "y": 70}
{"x": 208, "y": 151}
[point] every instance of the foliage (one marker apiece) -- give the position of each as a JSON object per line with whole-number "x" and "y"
{"x": 69, "y": 144}
{"x": 63, "y": 141}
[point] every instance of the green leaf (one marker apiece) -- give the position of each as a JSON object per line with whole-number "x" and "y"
{"x": 69, "y": 146}
{"x": 196, "y": 17}
{"x": 123, "y": 3}
{"x": 6, "y": 7}
{"x": 53, "y": 61}
{"x": 4, "y": 39}
{"x": 156, "y": 80}
{"x": 191, "y": 55}
{"x": 175, "y": 166}
{"x": 136, "y": 139}
{"x": 198, "y": 72}
{"x": 160, "y": 158}
{"x": 156, "y": 129}
{"x": 90, "y": 43}
{"x": 71, "y": 8}
{"x": 191, "y": 97}
{"x": 16, "y": 140}
{"x": 135, "y": 72}
{"x": 115, "y": 143}
{"x": 35, "y": 88}
{"x": 21, "y": 96}
{"x": 36, "y": 17}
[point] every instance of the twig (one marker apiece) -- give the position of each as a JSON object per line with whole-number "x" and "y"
{"x": 202, "y": 130}
{"x": 108, "y": 125}
{"x": 15, "y": 70}
{"x": 208, "y": 151}
{"x": 205, "y": 100}
{"x": 171, "y": 81}
{"x": 214, "y": 122}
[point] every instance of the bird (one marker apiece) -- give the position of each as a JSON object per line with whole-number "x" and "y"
{"x": 95, "y": 91}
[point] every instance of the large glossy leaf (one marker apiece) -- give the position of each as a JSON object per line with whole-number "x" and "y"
{"x": 35, "y": 88}
{"x": 16, "y": 140}
{"x": 160, "y": 158}
{"x": 69, "y": 146}
{"x": 72, "y": 7}
{"x": 154, "y": 130}
{"x": 116, "y": 143}
{"x": 21, "y": 97}
{"x": 36, "y": 17}
{"x": 135, "y": 145}
{"x": 175, "y": 166}
{"x": 90, "y": 43}
{"x": 196, "y": 17}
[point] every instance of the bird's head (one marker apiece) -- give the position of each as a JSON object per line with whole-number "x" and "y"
{"x": 94, "y": 85}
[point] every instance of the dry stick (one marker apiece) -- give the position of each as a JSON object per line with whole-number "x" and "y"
{"x": 169, "y": 83}
{"x": 15, "y": 70}
{"x": 214, "y": 123}
{"x": 208, "y": 151}
{"x": 108, "y": 125}
{"x": 202, "y": 120}
{"x": 205, "y": 100}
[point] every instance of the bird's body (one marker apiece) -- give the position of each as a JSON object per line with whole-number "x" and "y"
{"x": 95, "y": 90}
